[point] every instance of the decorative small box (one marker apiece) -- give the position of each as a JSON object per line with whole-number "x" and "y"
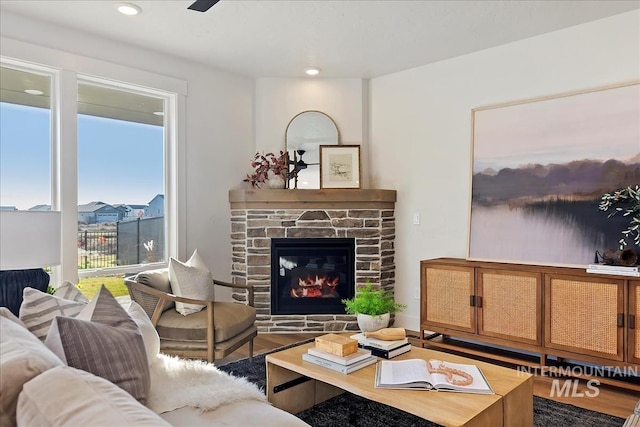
{"x": 336, "y": 344}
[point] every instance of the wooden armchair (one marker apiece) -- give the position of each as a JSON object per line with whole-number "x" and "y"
{"x": 214, "y": 332}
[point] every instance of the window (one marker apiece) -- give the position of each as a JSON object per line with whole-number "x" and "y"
{"x": 121, "y": 204}
{"x": 25, "y": 140}
{"x": 94, "y": 140}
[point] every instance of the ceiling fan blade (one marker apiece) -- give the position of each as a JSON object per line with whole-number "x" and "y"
{"x": 202, "y": 5}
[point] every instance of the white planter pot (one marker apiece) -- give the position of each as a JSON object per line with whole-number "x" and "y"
{"x": 277, "y": 181}
{"x": 368, "y": 323}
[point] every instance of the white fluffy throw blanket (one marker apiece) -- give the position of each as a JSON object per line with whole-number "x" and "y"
{"x": 176, "y": 383}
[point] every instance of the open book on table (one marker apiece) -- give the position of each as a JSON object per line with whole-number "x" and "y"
{"x": 431, "y": 375}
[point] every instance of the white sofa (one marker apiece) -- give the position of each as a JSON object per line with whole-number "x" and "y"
{"x": 37, "y": 388}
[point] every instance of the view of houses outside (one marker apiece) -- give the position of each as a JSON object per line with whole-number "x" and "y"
{"x": 118, "y": 234}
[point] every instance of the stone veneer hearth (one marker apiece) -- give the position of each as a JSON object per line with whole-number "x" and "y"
{"x": 258, "y": 215}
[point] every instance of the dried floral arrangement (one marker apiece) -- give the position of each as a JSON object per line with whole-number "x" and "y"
{"x": 265, "y": 163}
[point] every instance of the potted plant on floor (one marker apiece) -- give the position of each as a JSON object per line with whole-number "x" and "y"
{"x": 372, "y": 307}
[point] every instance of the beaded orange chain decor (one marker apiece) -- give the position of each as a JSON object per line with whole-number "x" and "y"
{"x": 449, "y": 373}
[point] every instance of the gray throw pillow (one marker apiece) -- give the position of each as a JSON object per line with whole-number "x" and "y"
{"x": 104, "y": 340}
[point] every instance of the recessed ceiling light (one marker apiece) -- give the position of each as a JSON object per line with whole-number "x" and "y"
{"x": 159, "y": 113}
{"x": 312, "y": 71}
{"x": 128, "y": 9}
{"x": 34, "y": 92}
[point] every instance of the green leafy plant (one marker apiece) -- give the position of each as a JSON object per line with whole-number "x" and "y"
{"x": 372, "y": 301}
{"x": 625, "y": 201}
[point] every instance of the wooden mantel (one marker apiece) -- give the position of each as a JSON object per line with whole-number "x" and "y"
{"x": 264, "y": 198}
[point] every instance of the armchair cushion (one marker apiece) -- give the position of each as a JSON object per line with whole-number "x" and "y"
{"x": 229, "y": 318}
{"x": 191, "y": 279}
{"x": 157, "y": 279}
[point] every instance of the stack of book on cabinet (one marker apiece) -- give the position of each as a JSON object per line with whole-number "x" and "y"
{"x": 339, "y": 353}
{"x": 383, "y": 348}
{"x": 621, "y": 270}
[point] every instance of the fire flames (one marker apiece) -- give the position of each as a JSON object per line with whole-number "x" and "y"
{"x": 315, "y": 286}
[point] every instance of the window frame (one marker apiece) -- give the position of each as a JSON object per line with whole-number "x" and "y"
{"x": 169, "y": 101}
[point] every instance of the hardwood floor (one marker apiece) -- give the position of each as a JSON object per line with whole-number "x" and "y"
{"x": 610, "y": 400}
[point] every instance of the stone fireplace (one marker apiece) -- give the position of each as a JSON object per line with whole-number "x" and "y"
{"x": 262, "y": 217}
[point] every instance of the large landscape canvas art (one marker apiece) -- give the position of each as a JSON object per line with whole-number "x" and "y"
{"x": 539, "y": 169}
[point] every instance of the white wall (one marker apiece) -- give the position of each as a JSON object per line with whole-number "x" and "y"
{"x": 278, "y": 100}
{"x": 421, "y": 128}
{"x": 217, "y": 136}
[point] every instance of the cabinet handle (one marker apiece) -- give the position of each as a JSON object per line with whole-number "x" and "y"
{"x": 632, "y": 321}
{"x": 475, "y": 301}
{"x": 620, "y": 320}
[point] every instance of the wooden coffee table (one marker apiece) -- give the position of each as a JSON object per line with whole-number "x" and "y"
{"x": 295, "y": 385}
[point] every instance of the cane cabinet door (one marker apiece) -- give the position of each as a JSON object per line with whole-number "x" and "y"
{"x": 585, "y": 315}
{"x": 445, "y": 298}
{"x": 633, "y": 322}
{"x": 509, "y": 305}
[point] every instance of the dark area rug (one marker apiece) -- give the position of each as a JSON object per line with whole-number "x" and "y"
{"x": 354, "y": 411}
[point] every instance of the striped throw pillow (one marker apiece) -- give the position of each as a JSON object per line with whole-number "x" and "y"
{"x": 70, "y": 292}
{"x": 38, "y": 310}
{"x": 104, "y": 340}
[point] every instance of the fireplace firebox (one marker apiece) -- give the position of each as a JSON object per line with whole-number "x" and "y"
{"x": 311, "y": 275}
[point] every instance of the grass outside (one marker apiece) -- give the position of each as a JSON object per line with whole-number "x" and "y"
{"x": 89, "y": 286}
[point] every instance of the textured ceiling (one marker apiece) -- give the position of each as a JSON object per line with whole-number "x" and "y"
{"x": 357, "y": 39}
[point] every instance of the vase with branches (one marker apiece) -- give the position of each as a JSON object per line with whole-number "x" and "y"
{"x": 627, "y": 202}
{"x": 268, "y": 166}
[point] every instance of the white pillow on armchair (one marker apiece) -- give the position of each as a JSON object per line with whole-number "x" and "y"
{"x": 191, "y": 279}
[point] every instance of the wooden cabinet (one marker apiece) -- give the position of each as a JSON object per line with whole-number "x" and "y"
{"x": 585, "y": 315}
{"x": 527, "y": 313}
{"x": 633, "y": 322}
{"x": 460, "y": 298}
{"x": 510, "y": 305}
{"x": 446, "y": 292}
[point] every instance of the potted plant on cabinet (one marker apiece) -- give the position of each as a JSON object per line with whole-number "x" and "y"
{"x": 625, "y": 201}
{"x": 372, "y": 307}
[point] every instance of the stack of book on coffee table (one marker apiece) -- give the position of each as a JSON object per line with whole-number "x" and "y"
{"x": 383, "y": 348}
{"x": 339, "y": 353}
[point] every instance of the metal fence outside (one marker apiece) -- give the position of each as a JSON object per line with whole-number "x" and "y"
{"x": 133, "y": 242}
{"x": 140, "y": 241}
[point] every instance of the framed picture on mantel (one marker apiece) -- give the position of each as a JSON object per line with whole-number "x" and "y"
{"x": 339, "y": 166}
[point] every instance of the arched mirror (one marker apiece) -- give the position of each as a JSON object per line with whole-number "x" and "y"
{"x": 305, "y": 133}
